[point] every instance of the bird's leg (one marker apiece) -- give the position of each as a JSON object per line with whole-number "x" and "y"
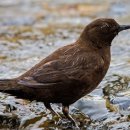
{"x": 65, "y": 110}
{"x": 48, "y": 106}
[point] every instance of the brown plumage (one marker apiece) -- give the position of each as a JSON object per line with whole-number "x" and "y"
{"x": 70, "y": 72}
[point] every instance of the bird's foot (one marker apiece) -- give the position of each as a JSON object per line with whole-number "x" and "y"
{"x": 48, "y": 106}
{"x": 10, "y": 108}
{"x": 68, "y": 124}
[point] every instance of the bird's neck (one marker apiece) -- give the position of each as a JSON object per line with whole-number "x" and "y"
{"x": 104, "y": 50}
{"x": 93, "y": 44}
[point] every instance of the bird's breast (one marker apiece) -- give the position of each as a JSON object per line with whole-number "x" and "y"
{"x": 93, "y": 79}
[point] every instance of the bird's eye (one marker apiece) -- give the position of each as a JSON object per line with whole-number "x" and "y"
{"x": 105, "y": 28}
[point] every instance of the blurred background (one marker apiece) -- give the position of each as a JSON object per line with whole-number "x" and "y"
{"x": 32, "y": 29}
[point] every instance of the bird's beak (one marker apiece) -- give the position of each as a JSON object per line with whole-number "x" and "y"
{"x": 123, "y": 27}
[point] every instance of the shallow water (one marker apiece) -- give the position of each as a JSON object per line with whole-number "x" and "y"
{"x": 30, "y": 30}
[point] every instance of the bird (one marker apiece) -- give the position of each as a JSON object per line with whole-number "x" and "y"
{"x": 70, "y": 72}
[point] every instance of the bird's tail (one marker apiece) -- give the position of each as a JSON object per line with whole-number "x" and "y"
{"x": 9, "y": 86}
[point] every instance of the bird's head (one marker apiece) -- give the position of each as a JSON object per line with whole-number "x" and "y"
{"x": 102, "y": 31}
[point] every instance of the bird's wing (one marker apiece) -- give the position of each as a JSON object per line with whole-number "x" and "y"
{"x": 71, "y": 69}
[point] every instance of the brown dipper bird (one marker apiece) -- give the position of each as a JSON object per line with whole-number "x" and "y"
{"x": 70, "y": 72}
